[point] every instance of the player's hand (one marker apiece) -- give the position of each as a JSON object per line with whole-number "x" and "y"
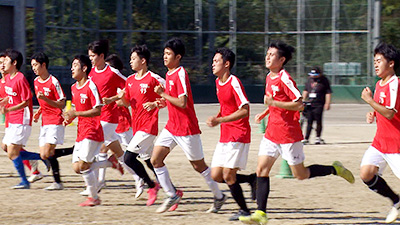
{"x": 3, "y": 110}
{"x": 4, "y": 101}
{"x": 327, "y": 106}
{"x": 107, "y": 101}
{"x": 69, "y": 115}
{"x": 370, "y": 117}
{"x": 40, "y": 95}
{"x": 121, "y": 94}
{"x": 212, "y": 121}
{"x": 149, "y": 106}
{"x": 36, "y": 116}
{"x": 159, "y": 89}
{"x": 366, "y": 95}
{"x": 258, "y": 118}
{"x": 268, "y": 100}
{"x": 161, "y": 103}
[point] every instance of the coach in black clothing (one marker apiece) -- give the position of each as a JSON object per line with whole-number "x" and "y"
{"x": 317, "y": 96}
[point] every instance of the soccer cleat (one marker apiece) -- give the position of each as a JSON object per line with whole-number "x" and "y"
{"x": 393, "y": 213}
{"x": 258, "y": 217}
{"x": 139, "y": 184}
{"x": 175, "y": 206}
{"x": 35, "y": 177}
{"x": 47, "y": 164}
{"x": 168, "y": 203}
{"x": 236, "y": 216}
{"x": 152, "y": 194}
{"x": 305, "y": 141}
{"x": 115, "y": 164}
{"x": 90, "y": 202}
{"x": 55, "y": 186}
{"x": 21, "y": 185}
{"x": 217, "y": 205}
{"x": 343, "y": 172}
{"x": 319, "y": 141}
{"x": 84, "y": 192}
{"x": 253, "y": 186}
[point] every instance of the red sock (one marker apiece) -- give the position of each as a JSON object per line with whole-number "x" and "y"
{"x": 27, "y": 164}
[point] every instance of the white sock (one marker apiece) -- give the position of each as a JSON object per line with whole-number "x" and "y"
{"x": 136, "y": 177}
{"x": 90, "y": 180}
{"x": 126, "y": 167}
{"x": 165, "y": 181}
{"x": 211, "y": 183}
{"x": 102, "y": 170}
{"x": 101, "y": 164}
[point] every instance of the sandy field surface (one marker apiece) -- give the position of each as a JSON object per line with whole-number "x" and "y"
{"x": 326, "y": 200}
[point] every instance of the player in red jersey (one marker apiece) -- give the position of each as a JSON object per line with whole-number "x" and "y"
{"x": 108, "y": 80}
{"x": 87, "y": 102}
{"x": 385, "y": 148}
{"x": 51, "y": 99}
{"x": 139, "y": 94}
{"x": 232, "y": 150}
{"x": 283, "y": 132}
{"x": 181, "y": 129}
{"x": 18, "y": 115}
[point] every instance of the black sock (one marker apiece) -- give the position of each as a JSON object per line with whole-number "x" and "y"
{"x": 379, "y": 185}
{"x": 63, "y": 151}
{"x": 130, "y": 160}
{"x": 241, "y": 178}
{"x": 237, "y": 194}
{"x": 262, "y": 193}
{"x": 321, "y": 170}
{"x": 150, "y": 166}
{"x": 56, "y": 169}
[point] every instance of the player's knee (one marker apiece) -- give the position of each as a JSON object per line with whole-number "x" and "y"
{"x": 44, "y": 155}
{"x": 76, "y": 168}
{"x": 366, "y": 175}
{"x": 229, "y": 179}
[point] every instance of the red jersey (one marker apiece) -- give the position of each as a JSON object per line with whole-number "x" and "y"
{"x": 231, "y": 97}
{"x": 181, "y": 122}
{"x": 139, "y": 91}
{"x": 387, "y": 137}
{"x": 283, "y": 125}
{"x": 2, "y": 88}
{"x": 84, "y": 98}
{"x": 124, "y": 120}
{"x": 18, "y": 90}
{"x": 108, "y": 81}
{"x": 50, "y": 88}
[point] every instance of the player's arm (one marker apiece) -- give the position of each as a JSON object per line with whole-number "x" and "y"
{"x": 260, "y": 116}
{"x": 37, "y": 114}
{"x": 328, "y": 98}
{"x": 305, "y": 95}
{"x": 56, "y": 104}
{"x": 15, "y": 107}
{"x": 293, "y": 106}
{"x": 366, "y": 95}
{"x": 178, "y": 102}
{"x": 237, "y": 115}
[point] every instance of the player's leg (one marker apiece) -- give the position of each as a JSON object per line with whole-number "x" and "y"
{"x": 318, "y": 118}
{"x": 372, "y": 165}
{"x": 229, "y": 175}
{"x": 102, "y": 157}
{"x": 310, "y": 121}
{"x": 13, "y": 152}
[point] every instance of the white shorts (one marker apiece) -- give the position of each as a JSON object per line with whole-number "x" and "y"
{"x": 17, "y": 134}
{"x": 292, "y": 152}
{"x": 125, "y": 137}
{"x": 109, "y": 132}
{"x": 374, "y": 157}
{"x": 142, "y": 143}
{"x": 86, "y": 150}
{"x": 51, "y": 134}
{"x": 231, "y": 155}
{"x": 190, "y": 144}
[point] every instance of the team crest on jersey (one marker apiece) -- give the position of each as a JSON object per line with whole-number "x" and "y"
{"x": 143, "y": 88}
{"x": 46, "y": 91}
{"x": 83, "y": 98}
{"x": 382, "y": 97}
{"x": 9, "y": 91}
{"x": 274, "y": 90}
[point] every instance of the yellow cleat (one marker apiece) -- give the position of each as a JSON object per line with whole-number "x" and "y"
{"x": 258, "y": 217}
{"x": 343, "y": 172}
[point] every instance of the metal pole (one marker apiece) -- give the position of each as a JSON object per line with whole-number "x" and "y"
{"x": 198, "y": 21}
{"x": 266, "y": 30}
{"x": 300, "y": 40}
{"x": 164, "y": 20}
{"x": 19, "y": 26}
{"x": 377, "y": 23}
{"x": 40, "y": 30}
{"x": 335, "y": 39}
{"x": 369, "y": 42}
{"x": 232, "y": 26}
{"x": 119, "y": 25}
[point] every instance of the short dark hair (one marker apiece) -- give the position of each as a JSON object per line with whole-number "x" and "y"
{"x": 284, "y": 50}
{"x": 84, "y": 60}
{"x": 41, "y": 58}
{"x": 99, "y": 47}
{"x": 227, "y": 55}
{"x": 15, "y": 55}
{"x": 2, "y": 54}
{"x": 176, "y": 45}
{"x": 115, "y": 61}
{"x": 389, "y": 52}
{"x": 142, "y": 51}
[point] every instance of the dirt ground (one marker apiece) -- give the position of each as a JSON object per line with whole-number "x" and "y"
{"x": 327, "y": 200}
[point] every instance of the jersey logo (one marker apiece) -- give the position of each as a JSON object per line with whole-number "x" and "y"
{"x": 130, "y": 84}
{"x": 83, "y": 98}
{"x": 171, "y": 83}
{"x": 46, "y": 91}
{"x": 143, "y": 88}
{"x": 274, "y": 90}
{"x": 382, "y": 97}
